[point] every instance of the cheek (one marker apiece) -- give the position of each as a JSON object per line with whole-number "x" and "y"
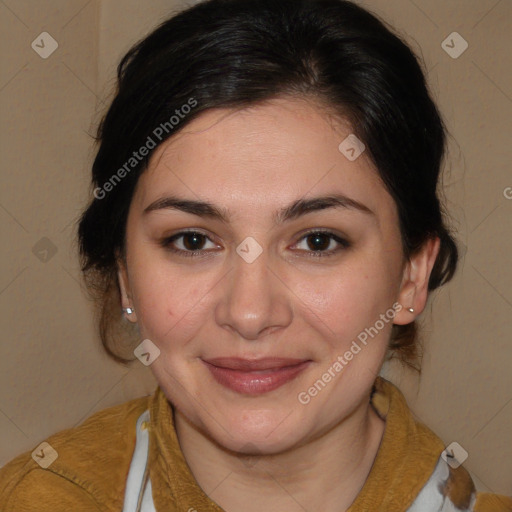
{"x": 169, "y": 300}
{"x": 343, "y": 302}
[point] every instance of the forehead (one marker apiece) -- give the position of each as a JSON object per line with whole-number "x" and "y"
{"x": 261, "y": 157}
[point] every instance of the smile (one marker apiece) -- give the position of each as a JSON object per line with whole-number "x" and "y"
{"x": 255, "y": 377}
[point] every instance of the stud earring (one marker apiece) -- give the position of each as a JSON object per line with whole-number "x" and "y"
{"x": 411, "y": 310}
{"x": 128, "y": 311}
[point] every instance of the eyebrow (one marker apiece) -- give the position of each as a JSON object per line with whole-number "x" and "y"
{"x": 293, "y": 211}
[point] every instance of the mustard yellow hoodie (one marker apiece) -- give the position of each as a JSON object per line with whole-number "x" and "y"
{"x": 93, "y": 461}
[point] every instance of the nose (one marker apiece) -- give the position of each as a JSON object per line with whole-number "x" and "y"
{"x": 255, "y": 301}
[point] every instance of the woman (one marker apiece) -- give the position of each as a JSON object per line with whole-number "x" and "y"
{"x": 265, "y": 216}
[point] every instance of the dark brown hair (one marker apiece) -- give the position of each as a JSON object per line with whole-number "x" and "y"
{"x": 237, "y": 53}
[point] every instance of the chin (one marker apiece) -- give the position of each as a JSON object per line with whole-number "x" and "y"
{"x": 259, "y": 432}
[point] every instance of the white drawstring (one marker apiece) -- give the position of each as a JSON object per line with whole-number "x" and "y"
{"x": 138, "y": 496}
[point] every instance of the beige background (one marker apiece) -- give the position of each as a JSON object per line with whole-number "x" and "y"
{"x": 52, "y": 372}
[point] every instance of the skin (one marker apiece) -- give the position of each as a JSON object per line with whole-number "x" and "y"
{"x": 287, "y": 303}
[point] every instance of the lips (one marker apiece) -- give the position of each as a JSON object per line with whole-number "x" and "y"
{"x": 256, "y": 376}
{"x": 267, "y": 363}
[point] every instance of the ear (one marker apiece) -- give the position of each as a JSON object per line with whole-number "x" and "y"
{"x": 414, "y": 287}
{"x": 124, "y": 288}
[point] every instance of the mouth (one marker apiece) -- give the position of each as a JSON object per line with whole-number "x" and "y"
{"x": 254, "y": 377}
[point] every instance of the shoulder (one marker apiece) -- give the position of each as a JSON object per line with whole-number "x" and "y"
{"x": 430, "y": 471}
{"x": 486, "y": 502}
{"x": 450, "y": 488}
{"x": 81, "y": 468}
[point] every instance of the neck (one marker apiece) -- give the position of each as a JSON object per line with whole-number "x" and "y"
{"x": 326, "y": 473}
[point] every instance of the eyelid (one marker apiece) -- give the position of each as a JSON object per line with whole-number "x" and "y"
{"x": 166, "y": 241}
{"x": 323, "y": 231}
{"x": 341, "y": 240}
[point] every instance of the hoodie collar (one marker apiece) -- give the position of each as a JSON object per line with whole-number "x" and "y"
{"x": 406, "y": 458}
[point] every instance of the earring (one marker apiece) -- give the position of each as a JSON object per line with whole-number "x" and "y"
{"x": 411, "y": 310}
{"x": 128, "y": 311}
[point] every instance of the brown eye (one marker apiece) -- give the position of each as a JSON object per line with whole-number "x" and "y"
{"x": 319, "y": 241}
{"x": 193, "y": 241}
{"x": 323, "y": 243}
{"x": 187, "y": 243}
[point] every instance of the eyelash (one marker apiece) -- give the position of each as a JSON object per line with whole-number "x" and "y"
{"x": 166, "y": 243}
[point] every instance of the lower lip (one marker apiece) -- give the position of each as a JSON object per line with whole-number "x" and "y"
{"x": 255, "y": 382}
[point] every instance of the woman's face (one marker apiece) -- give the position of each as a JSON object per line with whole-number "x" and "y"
{"x": 253, "y": 283}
